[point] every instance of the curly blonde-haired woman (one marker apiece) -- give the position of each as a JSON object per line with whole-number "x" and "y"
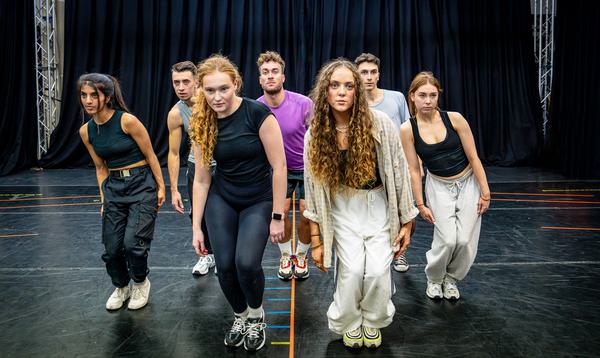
{"x": 244, "y": 199}
{"x": 358, "y": 199}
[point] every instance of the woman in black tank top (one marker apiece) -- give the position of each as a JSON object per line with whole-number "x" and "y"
{"x": 243, "y": 201}
{"x": 456, "y": 187}
{"x": 131, "y": 186}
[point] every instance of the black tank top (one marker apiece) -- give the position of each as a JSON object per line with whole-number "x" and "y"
{"x": 446, "y": 158}
{"x": 113, "y": 145}
{"x": 243, "y": 172}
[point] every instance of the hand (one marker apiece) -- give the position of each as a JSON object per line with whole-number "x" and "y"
{"x": 426, "y": 214}
{"x": 160, "y": 196}
{"x": 102, "y": 209}
{"x": 276, "y": 230}
{"x": 403, "y": 238}
{"x": 198, "y": 243}
{"x": 177, "y": 202}
{"x": 483, "y": 205}
{"x": 317, "y": 256}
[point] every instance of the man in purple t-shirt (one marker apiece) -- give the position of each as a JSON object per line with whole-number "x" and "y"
{"x": 292, "y": 111}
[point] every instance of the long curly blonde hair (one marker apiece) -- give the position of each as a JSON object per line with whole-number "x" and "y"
{"x": 203, "y": 123}
{"x": 323, "y": 153}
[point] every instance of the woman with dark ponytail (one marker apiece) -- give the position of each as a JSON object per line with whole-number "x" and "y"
{"x": 131, "y": 186}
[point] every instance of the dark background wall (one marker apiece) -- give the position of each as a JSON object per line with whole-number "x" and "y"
{"x": 18, "y": 124}
{"x": 482, "y": 51}
{"x": 574, "y": 132}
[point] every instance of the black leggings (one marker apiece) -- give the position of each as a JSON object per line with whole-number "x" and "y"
{"x": 239, "y": 235}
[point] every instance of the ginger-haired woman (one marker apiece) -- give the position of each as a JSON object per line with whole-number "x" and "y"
{"x": 243, "y": 200}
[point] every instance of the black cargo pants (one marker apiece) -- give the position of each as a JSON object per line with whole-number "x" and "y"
{"x": 128, "y": 224}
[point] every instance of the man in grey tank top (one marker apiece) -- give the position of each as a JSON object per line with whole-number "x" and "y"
{"x": 185, "y": 84}
{"x": 391, "y": 103}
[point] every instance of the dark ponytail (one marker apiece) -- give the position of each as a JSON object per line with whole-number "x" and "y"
{"x": 116, "y": 100}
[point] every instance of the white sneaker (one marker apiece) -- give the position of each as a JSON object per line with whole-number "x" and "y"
{"x": 211, "y": 262}
{"x": 434, "y": 290}
{"x": 204, "y": 264}
{"x": 285, "y": 267}
{"x": 301, "y": 266}
{"x": 450, "y": 289}
{"x": 401, "y": 264}
{"x": 139, "y": 295}
{"x": 118, "y": 297}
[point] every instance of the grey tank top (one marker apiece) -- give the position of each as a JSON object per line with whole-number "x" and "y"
{"x": 186, "y": 113}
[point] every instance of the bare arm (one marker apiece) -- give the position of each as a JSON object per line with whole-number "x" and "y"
{"x": 414, "y": 170}
{"x": 270, "y": 136}
{"x": 132, "y": 126}
{"x": 99, "y": 163}
{"x": 174, "y": 123}
{"x": 202, "y": 179}
{"x": 461, "y": 126}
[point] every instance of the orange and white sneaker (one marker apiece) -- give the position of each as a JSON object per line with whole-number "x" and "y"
{"x": 301, "y": 266}
{"x": 285, "y": 267}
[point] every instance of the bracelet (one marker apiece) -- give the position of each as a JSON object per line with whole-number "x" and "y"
{"x": 315, "y": 235}
{"x": 318, "y": 245}
{"x": 484, "y": 199}
{"x": 420, "y": 205}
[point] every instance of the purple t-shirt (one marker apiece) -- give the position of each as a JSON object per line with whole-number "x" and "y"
{"x": 292, "y": 115}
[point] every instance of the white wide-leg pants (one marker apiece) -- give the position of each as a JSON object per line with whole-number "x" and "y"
{"x": 362, "y": 243}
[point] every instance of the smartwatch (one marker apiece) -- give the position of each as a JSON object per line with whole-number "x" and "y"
{"x": 277, "y": 216}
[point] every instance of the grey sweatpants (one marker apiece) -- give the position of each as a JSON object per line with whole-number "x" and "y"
{"x": 457, "y": 226}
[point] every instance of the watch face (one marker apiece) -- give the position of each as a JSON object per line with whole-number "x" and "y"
{"x": 277, "y": 216}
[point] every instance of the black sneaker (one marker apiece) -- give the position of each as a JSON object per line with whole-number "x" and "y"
{"x": 235, "y": 336}
{"x": 255, "y": 334}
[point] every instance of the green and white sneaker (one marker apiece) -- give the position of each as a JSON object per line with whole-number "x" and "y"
{"x": 371, "y": 337}
{"x": 354, "y": 338}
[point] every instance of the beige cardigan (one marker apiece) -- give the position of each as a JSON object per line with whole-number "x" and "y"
{"x": 394, "y": 176}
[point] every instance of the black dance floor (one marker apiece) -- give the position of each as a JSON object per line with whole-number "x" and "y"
{"x": 533, "y": 291}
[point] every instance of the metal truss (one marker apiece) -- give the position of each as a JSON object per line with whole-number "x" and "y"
{"x": 544, "y": 12}
{"x": 46, "y": 69}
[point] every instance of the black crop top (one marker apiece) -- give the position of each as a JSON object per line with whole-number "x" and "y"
{"x": 113, "y": 145}
{"x": 446, "y": 158}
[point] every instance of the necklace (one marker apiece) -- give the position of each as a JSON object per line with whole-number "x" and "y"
{"x": 342, "y": 129}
